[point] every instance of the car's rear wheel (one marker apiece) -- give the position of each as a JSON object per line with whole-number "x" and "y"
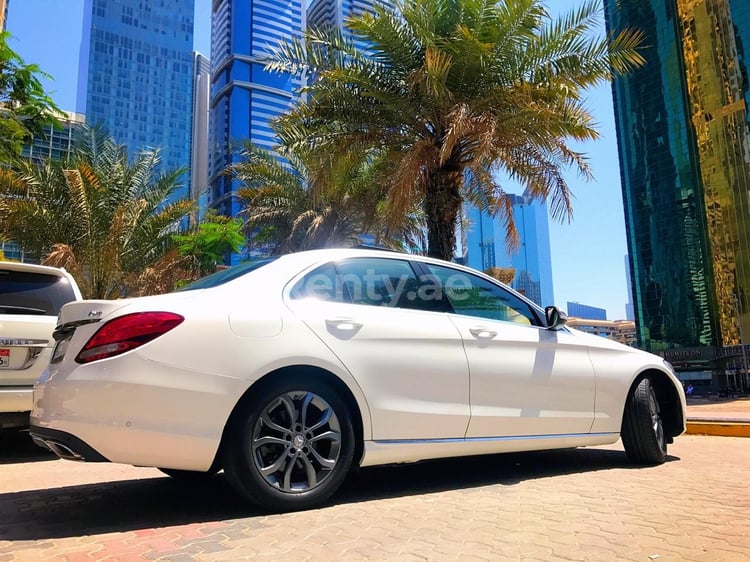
{"x": 642, "y": 426}
{"x": 290, "y": 446}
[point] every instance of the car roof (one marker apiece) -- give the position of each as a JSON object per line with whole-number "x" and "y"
{"x": 312, "y": 256}
{"x": 33, "y": 268}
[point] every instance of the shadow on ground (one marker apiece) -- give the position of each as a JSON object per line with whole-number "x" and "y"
{"x": 160, "y": 502}
{"x": 16, "y": 446}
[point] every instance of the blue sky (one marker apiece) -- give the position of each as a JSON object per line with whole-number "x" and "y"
{"x": 588, "y": 263}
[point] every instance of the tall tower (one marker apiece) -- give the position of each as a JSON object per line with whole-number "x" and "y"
{"x": 199, "y": 147}
{"x": 334, "y": 13}
{"x": 136, "y": 75}
{"x": 244, "y": 96}
{"x": 682, "y": 125}
{"x": 531, "y": 262}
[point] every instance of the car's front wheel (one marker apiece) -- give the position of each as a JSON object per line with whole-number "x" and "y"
{"x": 642, "y": 426}
{"x": 290, "y": 446}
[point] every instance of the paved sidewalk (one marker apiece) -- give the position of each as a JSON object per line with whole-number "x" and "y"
{"x": 729, "y": 417}
{"x": 737, "y": 409}
{"x": 584, "y": 504}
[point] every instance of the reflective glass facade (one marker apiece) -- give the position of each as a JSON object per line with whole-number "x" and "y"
{"x": 684, "y": 146}
{"x": 334, "y": 13}
{"x": 244, "y": 96}
{"x": 136, "y": 74}
{"x": 586, "y": 311}
{"x": 485, "y": 247}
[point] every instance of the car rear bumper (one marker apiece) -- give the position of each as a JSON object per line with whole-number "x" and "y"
{"x": 16, "y": 398}
{"x": 65, "y": 445}
{"x": 134, "y": 411}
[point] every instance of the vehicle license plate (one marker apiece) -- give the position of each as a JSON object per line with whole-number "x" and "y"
{"x": 4, "y": 358}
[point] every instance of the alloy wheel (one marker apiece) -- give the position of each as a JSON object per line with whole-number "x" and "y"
{"x": 296, "y": 441}
{"x": 655, "y": 412}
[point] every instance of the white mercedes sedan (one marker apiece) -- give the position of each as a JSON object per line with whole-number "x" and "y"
{"x": 286, "y": 373}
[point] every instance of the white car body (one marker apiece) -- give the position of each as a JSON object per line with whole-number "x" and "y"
{"x": 420, "y": 384}
{"x": 28, "y": 315}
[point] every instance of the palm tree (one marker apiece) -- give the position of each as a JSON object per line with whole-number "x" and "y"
{"x": 452, "y": 92}
{"x": 102, "y": 217}
{"x": 286, "y": 212}
{"x": 25, "y": 108}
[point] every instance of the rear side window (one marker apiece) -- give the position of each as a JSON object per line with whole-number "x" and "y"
{"x": 24, "y": 292}
{"x": 225, "y": 275}
{"x": 376, "y": 281}
{"x": 380, "y": 282}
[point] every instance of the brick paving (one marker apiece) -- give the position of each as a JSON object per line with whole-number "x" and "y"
{"x": 583, "y": 504}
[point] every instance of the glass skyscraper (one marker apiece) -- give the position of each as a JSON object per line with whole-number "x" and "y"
{"x": 136, "y": 75}
{"x": 334, "y": 13}
{"x": 684, "y": 141}
{"x": 485, "y": 247}
{"x": 244, "y": 96}
{"x": 586, "y": 311}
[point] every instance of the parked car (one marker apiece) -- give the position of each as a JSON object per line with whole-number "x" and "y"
{"x": 287, "y": 372}
{"x": 30, "y": 299}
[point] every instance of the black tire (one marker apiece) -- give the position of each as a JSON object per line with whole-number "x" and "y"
{"x": 642, "y": 426}
{"x": 189, "y": 474}
{"x": 285, "y": 464}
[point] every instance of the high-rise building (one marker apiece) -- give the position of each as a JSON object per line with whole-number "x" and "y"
{"x": 199, "y": 137}
{"x": 244, "y": 96}
{"x": 55, "y": 142}
{"x": 325, "y": 13}
{"x": 629, "y": 313}
{"x": 586, "y": 311}
{"x": 485, "y": 248}
{"x": 684, "y": 141}
{"x": 136, "y": 75}
{"x": 334, "y": 13}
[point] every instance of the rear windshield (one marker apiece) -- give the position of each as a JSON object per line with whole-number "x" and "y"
{"x": 226, "y": 275}
{"x": 24, "y": 292}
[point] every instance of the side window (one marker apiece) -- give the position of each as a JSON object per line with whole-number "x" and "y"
{"x": 378, "y": 281}
{"x": 319, "y": 284}
{"x": 372, "y": 282}
{"x": 471, "y": 295}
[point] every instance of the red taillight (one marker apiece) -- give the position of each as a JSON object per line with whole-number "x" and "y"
{"x": 127, "y": 332}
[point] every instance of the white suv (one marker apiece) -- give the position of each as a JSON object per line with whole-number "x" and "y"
{"x": 30, "y": 298}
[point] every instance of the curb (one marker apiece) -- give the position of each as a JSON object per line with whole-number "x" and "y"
{"x": 719, "y": 428}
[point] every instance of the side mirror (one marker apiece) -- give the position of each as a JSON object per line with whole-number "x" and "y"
{"x": 556, "y": 318}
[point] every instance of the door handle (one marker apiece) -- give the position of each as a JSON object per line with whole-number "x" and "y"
{"x": 346, "y": 324}
{"x": 483, "y": 333}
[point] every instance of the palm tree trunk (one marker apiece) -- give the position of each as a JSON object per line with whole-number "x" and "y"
{"x": 442, "y": 205}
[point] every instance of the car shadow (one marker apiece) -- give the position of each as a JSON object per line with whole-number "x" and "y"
{"x": 16, "y": 446}
{"x": 505, "y": 469}
{"x": 161, "y": 502}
